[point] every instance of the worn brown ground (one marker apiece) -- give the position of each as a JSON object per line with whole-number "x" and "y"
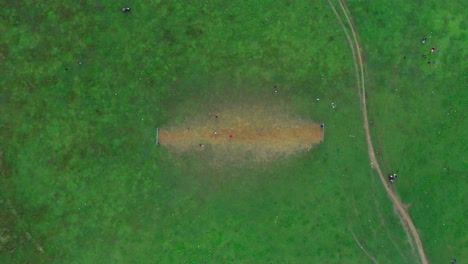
{"x": 258, "y": 133}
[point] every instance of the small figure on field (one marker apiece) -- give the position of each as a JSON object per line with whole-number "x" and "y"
{"x": 322, "y": 126}
{"x": 433, "y": 49}
{"x": 454, "y": 261}
{"x": 200, "y": 145}
{"x": 126, "y": 9}
{"x": 424, "y": 40}
{"x": 230, "y": 136}
{"x": 216, "y": 133}
{"x": 392, "y": 177}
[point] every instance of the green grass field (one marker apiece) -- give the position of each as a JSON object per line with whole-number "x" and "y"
{"x": 85, "y": 86}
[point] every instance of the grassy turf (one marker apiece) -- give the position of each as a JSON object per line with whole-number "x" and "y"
{"x": 420, "y": 113}
{"x": 81, "y": 170}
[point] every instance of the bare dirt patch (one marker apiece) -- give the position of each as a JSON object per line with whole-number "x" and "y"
{"x": 246, "y": 132}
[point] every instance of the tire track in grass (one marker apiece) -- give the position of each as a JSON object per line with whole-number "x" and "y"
{"x": 363, "y": 249}
{"x": 405, "y": 219}
{"x": 355, "y": 237}
{"x": 27, "y": 234}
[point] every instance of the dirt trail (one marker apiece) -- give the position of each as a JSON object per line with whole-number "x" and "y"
{"x": 358, "y": 63}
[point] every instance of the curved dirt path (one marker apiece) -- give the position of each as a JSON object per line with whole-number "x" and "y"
{"x": 358, "y": 63}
